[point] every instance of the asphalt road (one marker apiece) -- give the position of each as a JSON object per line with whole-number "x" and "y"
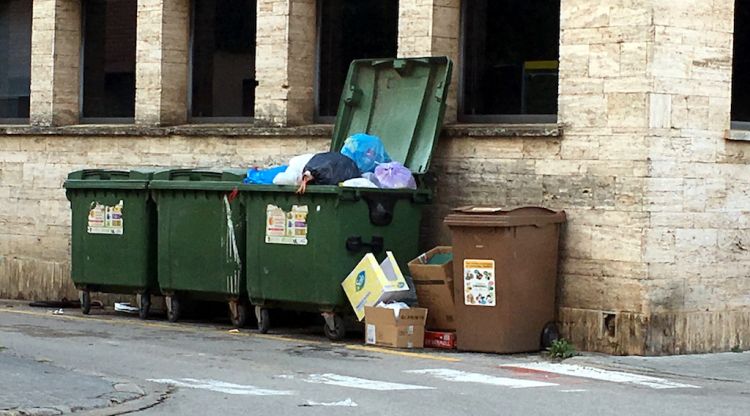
{"x": 117, "y": 364}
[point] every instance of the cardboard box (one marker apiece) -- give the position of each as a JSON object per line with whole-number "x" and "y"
{"x": 438, "y": 339}
{"x": 371, "y": 283}
{"x": 434, "y": 287}
{"x": 384, "y": 327}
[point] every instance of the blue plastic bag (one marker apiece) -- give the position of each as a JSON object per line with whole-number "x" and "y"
{"x": 263, "y": 176}
{"x": 366, "y": 151}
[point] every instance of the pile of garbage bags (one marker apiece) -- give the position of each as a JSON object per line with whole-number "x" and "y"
{"x": 362, "y": 163}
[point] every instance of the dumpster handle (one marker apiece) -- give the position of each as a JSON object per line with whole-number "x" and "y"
{"x": 355, "y": 244}
{"x": 351, "y": 195}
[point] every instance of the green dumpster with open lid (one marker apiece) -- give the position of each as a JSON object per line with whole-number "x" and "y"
{"x": 113, "y": 234}
{"x": 301, "y": 247}
{"x": 201, "y": 238}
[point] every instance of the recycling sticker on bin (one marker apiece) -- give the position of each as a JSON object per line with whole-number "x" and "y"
{"x": 479, "y": 283}
{"x": 286, "y": 227}
{"x": 105, "y": 219}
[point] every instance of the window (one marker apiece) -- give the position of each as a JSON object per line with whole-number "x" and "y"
{"x": 109, "y": 59}
{"x": 349, "y": 30}
{"x": 15, "y": 60}
{"x": 223, "y": 59}
{"x": 741, "y": 65}
{"x": 510, "y": 53}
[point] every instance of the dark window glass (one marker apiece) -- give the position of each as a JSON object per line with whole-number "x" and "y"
{"x": 510, "y": 57}
{"x": 109, "y": 58}
{"x": 741, "y": 63}
{"x": 223, "y": 58}
{"x": 15, "y": 58}
{"x": 349, "y": 30}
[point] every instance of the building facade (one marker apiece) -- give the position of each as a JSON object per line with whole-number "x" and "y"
{"x": 628, "y": 114}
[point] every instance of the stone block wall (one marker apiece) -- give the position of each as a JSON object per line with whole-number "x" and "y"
{"x": 55, "y": 62}
{"x": 162, "y": 51}
{"x": 431, "y": 28}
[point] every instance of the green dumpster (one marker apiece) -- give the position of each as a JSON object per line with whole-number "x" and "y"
{"x": 113, "y": 235}
{"x": 301, "y": 247}
{"x": 201, "y": 239}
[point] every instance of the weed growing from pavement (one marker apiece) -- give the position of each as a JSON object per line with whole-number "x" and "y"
{"x": 736, "y": 348}
{"x": 561, "y": 349}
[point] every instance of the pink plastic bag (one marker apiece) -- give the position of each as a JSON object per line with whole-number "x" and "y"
{"x": 394, "y": 175}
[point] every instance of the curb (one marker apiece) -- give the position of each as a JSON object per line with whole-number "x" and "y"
{"x": 157, "y": 395}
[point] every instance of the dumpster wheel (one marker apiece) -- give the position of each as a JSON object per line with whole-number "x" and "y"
{"x": 85, "y": 302}
{"x": 261, "y": 314}
{"x": 173, "y": 308}
{"x": 334, "y": 328}
{"x": 237, "y": 313}
{"x": 144, "y": 305}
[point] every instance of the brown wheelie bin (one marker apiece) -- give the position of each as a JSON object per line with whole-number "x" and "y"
{"x": 505, "y": 271}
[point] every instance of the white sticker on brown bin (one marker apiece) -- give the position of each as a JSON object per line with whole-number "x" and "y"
{"x": 479, "y": 283}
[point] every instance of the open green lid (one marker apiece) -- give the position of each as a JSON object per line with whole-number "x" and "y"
{"x": 402, "y": 101}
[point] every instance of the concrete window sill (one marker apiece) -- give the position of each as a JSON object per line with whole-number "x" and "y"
{"x": 200, "y": 130}
{"x": 249, "y": 130}
{"x": 739, "y": 135}
{"x": 541, "y": 130}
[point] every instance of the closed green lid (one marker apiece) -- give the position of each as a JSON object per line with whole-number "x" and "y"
{"x": 111, "y": 175}
{"x": 402, "y": 101}
{"x": 201, "y": 175}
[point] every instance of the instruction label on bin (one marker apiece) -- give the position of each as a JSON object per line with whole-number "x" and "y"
{"x": 286, "y": 227}
{"x": 105, "y": 219}
{"x": 479, "y": 283}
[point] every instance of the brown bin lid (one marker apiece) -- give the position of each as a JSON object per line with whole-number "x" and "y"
{"x": 474, "y": 216}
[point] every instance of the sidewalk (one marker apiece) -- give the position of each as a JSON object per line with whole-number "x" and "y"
{"x": 728, "y": 366}
{"x": 59, "y": 391}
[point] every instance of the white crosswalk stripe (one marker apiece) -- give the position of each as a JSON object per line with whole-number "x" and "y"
{"x": 360, "y": 383}
{"x": 601, "y": 375}
{"x": 465, "y": 377}
{"x": 222, "y": 387}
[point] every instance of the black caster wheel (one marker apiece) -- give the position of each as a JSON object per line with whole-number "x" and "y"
{"x": 144, "y": 305}
{"x": 338, "y": 331}
{"x": 238, "y": 314}
{"x": 264, "y": 323}
{"x": 550, "y": 334}
{"x": 173, "y": 308}
{"x": 85, "y": 302}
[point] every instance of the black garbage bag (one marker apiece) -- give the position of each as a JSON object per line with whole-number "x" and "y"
{"x": 330, "y": 168}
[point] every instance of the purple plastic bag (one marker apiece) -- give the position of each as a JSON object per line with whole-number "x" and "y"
{"x": 394, "y": 175}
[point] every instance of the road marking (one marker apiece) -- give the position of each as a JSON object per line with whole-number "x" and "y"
{"x": 222, "y": 387}
{"x": 573, "y": 391}
{"x": 342, "y": 403}
{"x": 602, "y": 375}
{"x": 403, "y": 353}
{"x": 360, "y": 383}
{"x": 465, "y": 377}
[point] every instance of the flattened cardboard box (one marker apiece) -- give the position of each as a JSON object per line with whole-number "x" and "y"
{"x": 382, "y": 327}
{"x": 434, "y": 286}
{"x": 371, "y": 283}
